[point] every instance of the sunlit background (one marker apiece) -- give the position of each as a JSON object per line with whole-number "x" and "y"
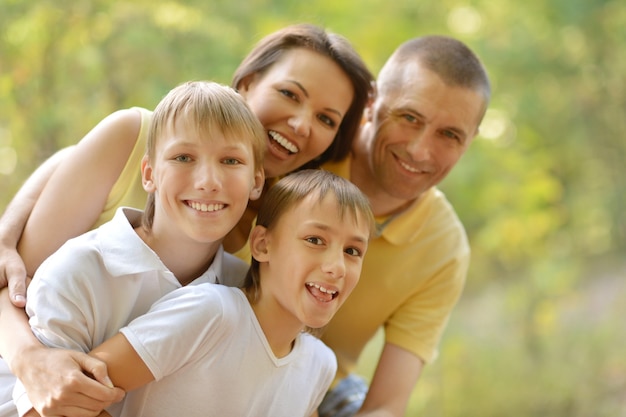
{"x": 539, "y": 330}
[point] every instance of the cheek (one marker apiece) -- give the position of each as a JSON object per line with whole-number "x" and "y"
{"x": 322, "y": 141}
{"x": 448, "y": 158}
{"x": 353, "y": 277}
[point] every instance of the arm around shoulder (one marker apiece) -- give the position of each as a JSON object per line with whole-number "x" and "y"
{"x": 12, "y": 223}
{"x": 75, "y": 195}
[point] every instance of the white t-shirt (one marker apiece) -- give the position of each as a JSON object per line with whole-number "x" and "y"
{"x": 210, "y": 357}
{"x": 98, "y": 282}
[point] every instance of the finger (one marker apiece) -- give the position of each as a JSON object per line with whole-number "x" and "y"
{"x": 16, "y": 279}
{"x": 101, "y": 388}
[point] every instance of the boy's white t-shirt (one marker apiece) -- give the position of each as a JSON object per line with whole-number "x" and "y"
{"x": 219, "y": 363}
{"x": 98, "y": 282}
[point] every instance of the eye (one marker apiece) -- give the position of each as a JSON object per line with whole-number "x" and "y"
{"x": 353, "y": 252}
{"x": 288, "y": 93}
{"x": 410, "y": 118}
{"x": 231, "y": 161}
{"x": 451, "y": 135}
{"x": 182, "y": 158}
{"x": 327, "y": 120}
{"x": 314, "y": 240}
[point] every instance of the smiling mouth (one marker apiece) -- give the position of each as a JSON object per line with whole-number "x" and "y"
{"x": 321, "y": 293}
{"x": 410, "y": 168}
{"x": 281, "y": 141}
{"x": 205, "y": 207}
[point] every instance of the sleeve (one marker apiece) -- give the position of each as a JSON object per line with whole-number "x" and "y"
{"x": 418, "y": 324}
{"x": 180, "y": 328}
{"x": 325, "y": 366}
{"x": 60, "y": 299}
{"x": 20, "y": 399}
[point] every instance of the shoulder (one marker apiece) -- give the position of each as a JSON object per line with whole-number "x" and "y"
{"x": 72, "y": 256}
{"x": 429, "y": 221}
{"x": 203, "y": 299}
{"x": 124, "y": 119}
{"x": 317, "y": 351}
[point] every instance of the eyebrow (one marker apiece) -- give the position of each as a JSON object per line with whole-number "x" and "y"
{"x": 306, "y": 94}
{"x": 325, "y": 227}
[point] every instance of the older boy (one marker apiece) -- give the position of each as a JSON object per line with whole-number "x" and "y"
{"x": 203, "y": 163}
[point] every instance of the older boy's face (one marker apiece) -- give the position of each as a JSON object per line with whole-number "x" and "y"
{"x": 417, "y": 133}
{"x": 311, "y": 261}
{"x": 202, "y": 182}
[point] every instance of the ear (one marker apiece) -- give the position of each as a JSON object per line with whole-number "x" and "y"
{"x": 244, "y": 85}
{"x": 259, "y": 183}
{"x": 259, "y": 244}
{"x": 147, "y": 175}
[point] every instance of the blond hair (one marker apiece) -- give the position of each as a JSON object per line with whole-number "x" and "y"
{"x": 210, "y": 107}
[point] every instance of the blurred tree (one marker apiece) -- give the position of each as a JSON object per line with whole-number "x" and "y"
{"x": 541, "y": 191}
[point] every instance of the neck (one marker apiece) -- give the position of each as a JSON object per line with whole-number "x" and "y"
{"x": 186, "y": 260}
{"x": 280, "y": 328}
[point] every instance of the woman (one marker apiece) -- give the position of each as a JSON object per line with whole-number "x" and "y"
{"x": 308, "y": 88}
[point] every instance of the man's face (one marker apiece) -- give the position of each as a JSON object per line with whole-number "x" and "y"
{"x": 417, "y": 132}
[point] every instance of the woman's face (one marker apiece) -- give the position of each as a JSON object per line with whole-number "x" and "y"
{"x": 301, "y": 100}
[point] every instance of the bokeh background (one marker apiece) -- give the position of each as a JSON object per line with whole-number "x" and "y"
{"x": 540, "y": 328}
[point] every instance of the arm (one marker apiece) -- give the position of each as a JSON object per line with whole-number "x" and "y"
{"x": 62, "y": 370}
{"x": 77, "y": 192}
{"x": 126, "y": 368}
{"x": 12, "y": 223}
{"x": 396, "y": 375}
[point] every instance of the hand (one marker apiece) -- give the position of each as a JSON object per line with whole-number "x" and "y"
{"x": 13, "y": 274}
{"x": 67, "y": 383}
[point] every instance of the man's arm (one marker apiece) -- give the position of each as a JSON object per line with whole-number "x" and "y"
{"x": 12, "y": 223}
{"x": 62, "y": 370}
{"x": 396, "y": 375}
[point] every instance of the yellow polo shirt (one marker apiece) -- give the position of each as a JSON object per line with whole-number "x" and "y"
{"x": 413, "y": 275}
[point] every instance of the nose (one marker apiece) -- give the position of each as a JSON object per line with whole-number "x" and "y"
{"x": 301, "y": 124}
{"x": 334, "y": 264}
{"x": 208, "y": 177}
{"x": 420, "y": 147}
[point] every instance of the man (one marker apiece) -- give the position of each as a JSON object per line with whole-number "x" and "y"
{"x": 432, "y": 95}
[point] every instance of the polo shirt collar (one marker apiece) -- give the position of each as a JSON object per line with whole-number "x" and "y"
{"x": 125, "y": 253}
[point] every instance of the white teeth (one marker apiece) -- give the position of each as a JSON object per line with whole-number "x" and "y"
{"x": 322, "y": 289}
{"x": 409, "y": 167}
{"x": 282, "y": 141}
{"x": 205, "y": 207}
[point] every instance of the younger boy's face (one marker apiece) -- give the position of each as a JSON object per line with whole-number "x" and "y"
{"x": 202, "y": 182}
{"x": 311, "y": 260}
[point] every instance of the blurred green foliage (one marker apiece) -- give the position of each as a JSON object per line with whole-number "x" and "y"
{"x": 541, "y": 191}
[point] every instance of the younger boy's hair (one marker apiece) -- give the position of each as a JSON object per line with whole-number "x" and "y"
{"x": 291, "y": 190}
{"x": 208, "y": 107}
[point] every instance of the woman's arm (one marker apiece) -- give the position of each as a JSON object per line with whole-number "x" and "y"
{"x": 77, "y": 192}
{"x": 12, "y": 223}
